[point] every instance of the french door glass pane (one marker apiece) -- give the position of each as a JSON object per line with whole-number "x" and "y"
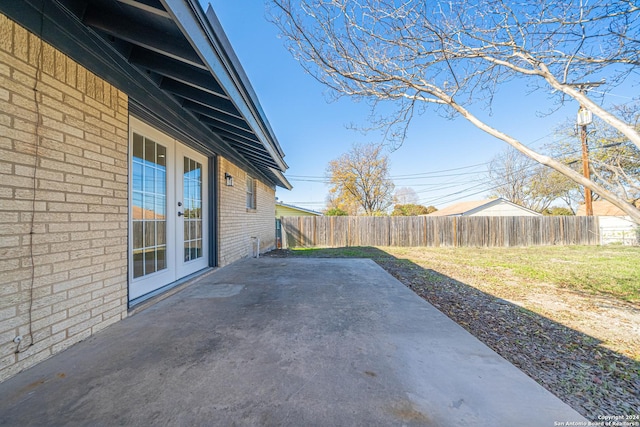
{"x": 149, "y": 199}
{"x": 192, "y": 194}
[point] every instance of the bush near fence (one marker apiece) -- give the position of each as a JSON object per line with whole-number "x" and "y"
{"x": 474, "y": 231}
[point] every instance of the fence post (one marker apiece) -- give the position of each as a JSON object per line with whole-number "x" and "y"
{"x": 455, "y": 232}
{"x": 283, "y": 231}
{"x": 301, "y": 231}
{"x": 278, "y": 234}
{"x": 315, "y": 231}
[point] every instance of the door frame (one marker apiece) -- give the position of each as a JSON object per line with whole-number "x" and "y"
{"x": 170, "y": 277}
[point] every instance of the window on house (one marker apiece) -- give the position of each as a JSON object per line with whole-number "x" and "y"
{"x": 251, "y": 193}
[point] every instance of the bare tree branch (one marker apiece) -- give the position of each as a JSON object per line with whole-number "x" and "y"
{"x": 453, "y": 54}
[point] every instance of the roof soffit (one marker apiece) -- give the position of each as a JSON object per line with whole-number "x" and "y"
{"x": 173, "y": 44}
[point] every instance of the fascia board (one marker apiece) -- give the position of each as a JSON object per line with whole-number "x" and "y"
{"x": 199, "y": 31}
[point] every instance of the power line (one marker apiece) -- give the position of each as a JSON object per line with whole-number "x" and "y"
{"x": 614, "y": 95}
{"x": 440, "y": 171}
{"x": 446, "y": 198}
{"x": 324, "y": 178}
{"x": 438, "y": 186}
{"x": 393, "y": 178}
{"x": 434, "y": 174}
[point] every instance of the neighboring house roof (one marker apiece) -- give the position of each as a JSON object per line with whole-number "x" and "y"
{"x": 138, "y": 212}
{"x": 458, "y": 208}
{"x": 485, "y": 207}
{"x": 175, "y": 64}
{"x": 283, "y": 209}
{"x": 601, "y": 208}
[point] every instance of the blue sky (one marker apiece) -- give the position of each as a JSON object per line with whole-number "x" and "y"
{"x": 312, "y": 131}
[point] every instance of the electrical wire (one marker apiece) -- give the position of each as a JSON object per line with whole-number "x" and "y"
{"x": 315, "y": 178}
{"x": 447, "y": 198}
{"x": 426, "y": 175}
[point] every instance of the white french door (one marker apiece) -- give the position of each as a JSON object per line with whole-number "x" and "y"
{"x": 168, "y": 213}
{"x": 192, "y": 187}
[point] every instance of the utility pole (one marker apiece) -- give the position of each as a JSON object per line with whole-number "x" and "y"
{"x": 588, "y": 200}
{"x": 585, "y": 118}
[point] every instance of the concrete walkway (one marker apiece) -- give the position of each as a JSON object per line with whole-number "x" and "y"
{"x": 292, "y": 342}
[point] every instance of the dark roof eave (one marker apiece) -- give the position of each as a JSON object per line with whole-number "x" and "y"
{"x": 61, "y": 24}
{"x": 284, "y": 183}
{"x": 206, "y": 36}
{"x": 237, "y": 66}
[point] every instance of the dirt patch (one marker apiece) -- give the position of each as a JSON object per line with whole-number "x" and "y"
{"x": 614, "y": 323}
{"x": 584, "y": 348}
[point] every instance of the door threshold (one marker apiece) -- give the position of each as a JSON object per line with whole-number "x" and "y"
{"x": 145, "y": 301}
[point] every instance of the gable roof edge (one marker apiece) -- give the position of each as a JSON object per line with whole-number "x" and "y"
{"x": 206, "y": 36}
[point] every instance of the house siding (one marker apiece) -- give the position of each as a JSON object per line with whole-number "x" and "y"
{"x": 63, "y": 201}
{"x": 287, "y": 211}
{"x": 238, "y": 226}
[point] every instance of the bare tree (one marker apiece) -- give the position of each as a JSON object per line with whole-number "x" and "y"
{"x": 361, "y": 177}
{"x": 508, "y": 174}
{"x": 405, "y": 195}
{"x": 454, "y": 53}
{"x": 519, "y": 179}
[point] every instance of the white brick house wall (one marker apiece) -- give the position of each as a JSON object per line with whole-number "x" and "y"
{"x": 63, "y": 201}
{"x": 240, "y": 226}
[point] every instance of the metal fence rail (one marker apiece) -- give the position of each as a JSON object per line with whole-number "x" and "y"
{"x": 474, "y": 231}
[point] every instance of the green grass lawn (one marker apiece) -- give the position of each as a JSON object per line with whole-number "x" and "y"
{"x": 612, "y": 270}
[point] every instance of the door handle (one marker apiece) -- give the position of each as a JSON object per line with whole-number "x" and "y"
{"x": 180, "y": 214}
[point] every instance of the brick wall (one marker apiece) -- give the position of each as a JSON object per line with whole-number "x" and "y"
{"x": 237, "y": 224}
{"x": 63, "y": 247}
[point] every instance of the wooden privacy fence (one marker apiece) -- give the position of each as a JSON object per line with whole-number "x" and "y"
{"x": 474, "y": 231}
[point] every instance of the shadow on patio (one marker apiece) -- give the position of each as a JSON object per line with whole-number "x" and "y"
{"x": 591, "y": 378}
{"x": 275, "y": 341}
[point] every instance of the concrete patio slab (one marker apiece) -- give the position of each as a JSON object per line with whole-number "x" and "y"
{"x": 291, "y": 342}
